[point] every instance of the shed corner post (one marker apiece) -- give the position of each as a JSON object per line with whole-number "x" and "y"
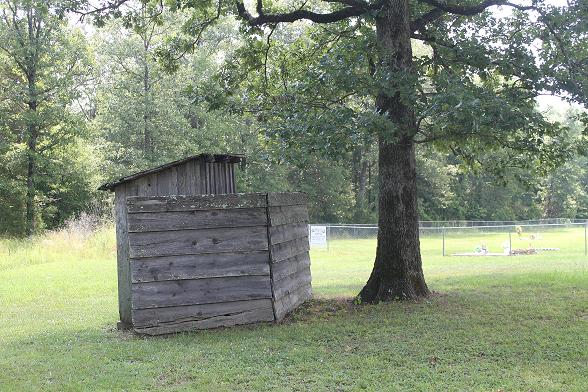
{"x": 122, "y": 258}
{"x": 269, "y": 252}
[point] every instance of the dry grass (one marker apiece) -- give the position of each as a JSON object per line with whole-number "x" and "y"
{"x": 506, "y": 323}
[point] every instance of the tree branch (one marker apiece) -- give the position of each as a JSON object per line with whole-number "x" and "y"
{"x": 358, "y": 8}
{"x": 469, "y": 10}
{"x": 350, "y": 3}
{"x": 108, "y": 6}
{"x": 269, "y": 45}
{"x": 426, "y": 18}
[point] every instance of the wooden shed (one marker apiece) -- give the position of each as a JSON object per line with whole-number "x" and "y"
{"x": 189, "y": 261}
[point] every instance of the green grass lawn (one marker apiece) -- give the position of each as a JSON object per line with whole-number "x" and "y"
{"x": 496, "y": 323}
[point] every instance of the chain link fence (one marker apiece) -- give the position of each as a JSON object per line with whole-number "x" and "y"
{"x": 470, "y": 238}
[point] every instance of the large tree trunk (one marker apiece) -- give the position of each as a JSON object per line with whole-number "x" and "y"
{"x": 33, "y": 135}
{"x": 31, "y": 172}
{"x": 31, "y": 62}
{"x": 397, "y": 272}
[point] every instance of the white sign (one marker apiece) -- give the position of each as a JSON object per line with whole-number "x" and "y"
{"x": 318, "y": 236}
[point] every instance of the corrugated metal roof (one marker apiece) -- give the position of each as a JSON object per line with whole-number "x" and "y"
{"x": 232, "y": 158}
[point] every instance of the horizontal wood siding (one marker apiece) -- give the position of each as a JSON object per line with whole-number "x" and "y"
{"x": 290, "y": 267}
{"x": 190, "y": 242}
{"x": 292, "y": 282}
{"x": 199, "y": 291}
{"x": 200, "y": 266}
{"x": 196, "y": 202}
{"x": 185, "y": 318}
{"x": 288, "y": 232}
{"x": 204, "y": 261}
{"x": 288, "y": 214}
{"x": 286, "y": 199}
{"x": 286, "y": 304}
{"x": 197, "y": 219}
{"x": 172, "y": 314}
{"x": 288, "y": 249}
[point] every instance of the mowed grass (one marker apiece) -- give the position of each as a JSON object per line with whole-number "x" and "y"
{"x": 495, "y": 323}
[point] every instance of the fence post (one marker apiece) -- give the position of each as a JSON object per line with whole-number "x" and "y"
{"x": 586, "y": 238}
{"x": 510, "y": 242}
{"x": 443, "y": 251}
{"x": 328, "y": 233}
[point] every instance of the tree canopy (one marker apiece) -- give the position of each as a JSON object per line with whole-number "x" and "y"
{"x": 385, "y": 110}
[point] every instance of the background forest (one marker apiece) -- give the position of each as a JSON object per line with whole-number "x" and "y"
{"x": 85, "y": 101}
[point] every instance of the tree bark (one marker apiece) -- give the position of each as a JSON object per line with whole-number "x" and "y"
{"x": 31, "y": 172}
{"x": 31, "y": 61}
{"x": 32, "y": 137}
{"x": 397, "y": 272}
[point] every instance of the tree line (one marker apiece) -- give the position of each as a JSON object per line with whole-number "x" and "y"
{"x": 85, "y": 100}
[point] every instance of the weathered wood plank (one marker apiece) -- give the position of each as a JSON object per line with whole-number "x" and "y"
{"x": 131, "y": 189}
{"x": 291, "y": 283}
{"x": 147, "y": 186}
{"x": 224, "y": 178}
{"x": 290, "y": 266}
{"x": 210, "y": 158}
{"x": 182, "y": 180}
{"x": 200, "y": 266}
{"x": 228, "y": 178}
{"x": 218, "y": 179}
{"x": 233, "y": 184}
{"x": 190, "y": 178}
{"x": 287, "y": 198}
{"x": 288, "y": 214}
{"x": 288, "y": 232}
{"x": 288, "y": 249}
{"x": 285, "y": 305}
{"x": 202, "y": 177}
{"x": 178, "y": 314}
{"x": 197, "y": 177}
{"x": 195, "y": 202}
{"x": 163, "y": 182}
{"x": 181, "y": 242}
{"x": 247, "y": 317}
{"x": 197, "y": 219}
{"x": 199, "y": 291}
{"x": 212, "y": 181}
{"x": 209, "y": 179}
{"x": 173, "y": 181}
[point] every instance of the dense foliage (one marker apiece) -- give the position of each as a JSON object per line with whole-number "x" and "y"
{"x": 83, "y": 101}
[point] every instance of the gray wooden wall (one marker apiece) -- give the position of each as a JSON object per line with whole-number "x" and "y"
{"x": 290, "y": 261}
{"x": 194, "y": 177}
{"x": 208, "y": 261}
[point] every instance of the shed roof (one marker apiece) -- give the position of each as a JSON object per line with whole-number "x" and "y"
{"x": 231, "y": 158}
